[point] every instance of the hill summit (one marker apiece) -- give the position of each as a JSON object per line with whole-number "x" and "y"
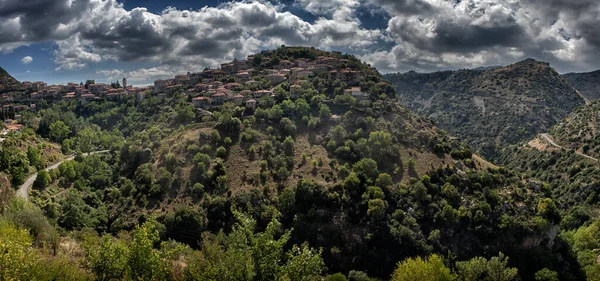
{"x": 490, "y": 108}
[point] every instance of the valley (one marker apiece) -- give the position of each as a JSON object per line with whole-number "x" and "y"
{"x": 310, "y": 152}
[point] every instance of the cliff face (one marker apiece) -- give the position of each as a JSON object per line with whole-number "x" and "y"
{"x": 492, "y": 108}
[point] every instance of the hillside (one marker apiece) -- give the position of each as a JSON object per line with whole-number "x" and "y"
{"x": 492, "y": 108}
{"x": 323, "y": 159}
{"x": 574, "y": 178}
{"x": 588, "y": 84}
{"x": 580, "y": 130}
{"x": 7, "y": 82}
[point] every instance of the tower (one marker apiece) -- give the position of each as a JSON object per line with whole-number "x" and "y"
{"x": 124, "y": 83}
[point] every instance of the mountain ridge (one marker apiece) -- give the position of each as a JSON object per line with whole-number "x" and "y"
{"x": 490, "y": 108}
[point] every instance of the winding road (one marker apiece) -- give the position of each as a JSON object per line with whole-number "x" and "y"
{"x": 548, "y": 138}
{"x": 23, "y": 191}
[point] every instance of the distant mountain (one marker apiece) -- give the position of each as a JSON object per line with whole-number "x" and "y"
{"x": 492, "y": 108}
{"x": 7, "y": 82}
{"x": 586, "y": 83}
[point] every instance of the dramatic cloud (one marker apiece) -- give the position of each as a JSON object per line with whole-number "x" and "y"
{"x": 26, "y": 60}
{"x": 422, "y": 35}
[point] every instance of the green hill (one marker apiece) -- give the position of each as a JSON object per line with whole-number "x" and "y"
{"x": 492, "y": 108}
{"x": 7, "y": 82}
{"x": 368, "y": 185}
{"x": 573, "y": 179}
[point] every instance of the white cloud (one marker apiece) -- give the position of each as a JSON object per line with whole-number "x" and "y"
{"x": 26, "y": 60}
{"x": 418, "y": 34}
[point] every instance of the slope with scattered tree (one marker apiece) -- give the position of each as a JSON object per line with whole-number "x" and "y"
{"x": 492, "y": 108}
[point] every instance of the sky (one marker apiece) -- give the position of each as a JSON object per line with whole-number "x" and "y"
{"x": 59, "y": 41}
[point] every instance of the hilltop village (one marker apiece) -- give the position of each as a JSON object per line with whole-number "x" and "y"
{"x": 242, "y": 82}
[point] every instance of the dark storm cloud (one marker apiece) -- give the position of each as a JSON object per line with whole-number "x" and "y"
{"x": 410, "y": 7}
{"x": 469, "y": 38}
{"x": 132, "y": 38}
{"x": 39, "y": 19}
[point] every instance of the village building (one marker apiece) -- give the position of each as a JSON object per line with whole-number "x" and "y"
{"x": 252, "y": 82}
{"x": 251, "y": 104}
{"x": 218, "y": 98}
{"x": 232, "y": 86}
{"x": 242, "y": 76}
{"x": 182, "y": 80}
{"x": 327, "y": 60}
{"x": 246, "y": 93}
{"x": 285, "y": 64}
{"x": 200, "y": 102}
{"x": 362, "y": 98}
{"x": 275, "y": 78}
{"x": 346, "y": 75}
{"x": 299, "y": 73}
{"x": 140, "y": 96}
{"x": 295, "y": 91}
{"x": 238, "y": 99}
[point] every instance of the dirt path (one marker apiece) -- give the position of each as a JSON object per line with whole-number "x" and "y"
{"x": 23, "y": 191}
{"x": 549, "y": 139}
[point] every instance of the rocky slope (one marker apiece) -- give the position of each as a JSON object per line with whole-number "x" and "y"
{"x": 491, "y": 108}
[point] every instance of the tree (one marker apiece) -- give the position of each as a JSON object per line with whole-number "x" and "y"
{"x": 59, "y": 131}
{"x": 384, "y": 180}
{"x": 246, "y": 255}
{"x": 546, "y": 275}
{"x": 106, "y": 258}
{"x": 302, "y": 107}
{"x": 324, "y": 111}
{"x": 367, "y": 167}
{"x": 336, "y": 277}
{"x": 494, "y": 269}
{"x": 42, "y": 180}
{"x": 288, "y": 146}
{"x": 35, "y": 158}
{"x": 144, "y": 262}
{"x": 432, "y": 268}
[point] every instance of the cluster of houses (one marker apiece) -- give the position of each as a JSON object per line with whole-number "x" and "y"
{"x": 84, "y": 93}
{"x": 232, "y": 82}
{"x": 10, "y": 114}
{"x": 209, "y": 89}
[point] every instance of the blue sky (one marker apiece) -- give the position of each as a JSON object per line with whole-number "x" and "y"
{"x": 58, "y": 41}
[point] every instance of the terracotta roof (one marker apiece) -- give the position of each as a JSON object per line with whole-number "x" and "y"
{"x": 238, "y": 96}
{"x": 218, "y": 95}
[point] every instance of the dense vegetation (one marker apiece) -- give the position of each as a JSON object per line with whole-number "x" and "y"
{"x": 580, "y": 130}
{"x": 586, "y": 83}
{"x": 306, "y": 188}
{"x": 492, "y": 108}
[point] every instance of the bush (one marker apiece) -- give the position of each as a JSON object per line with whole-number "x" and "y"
{"x": 336, "y": 277}
{"x": 221, "y": 152}
{"x": 42, "y": 180}
{"x": 432, "y": 268}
